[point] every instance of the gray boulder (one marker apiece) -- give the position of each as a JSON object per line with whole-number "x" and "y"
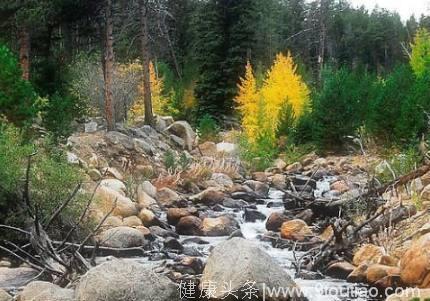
{"x": 122, "y": 237}
{"x": 16, "y": 277}
{"x": 125, "y": 280}
{"x": 238, "y": 263}
{"x": 183, "y": 130}
{"x": 45, "y": 291}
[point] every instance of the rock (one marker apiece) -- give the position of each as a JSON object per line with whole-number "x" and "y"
{"x": 190, "y": 265}
{"x": 219, "y": 226}
{"x": 5, "y": 296}
{"x": 45, "y": 291}
{"x": 239, "y": 262}
{"x": 107, "y": 198}
{"x": 388, "y": 260}
{"x": 275, "y": 221}
{"x": 280, "y": 164}
{"x": 415, "y": 263}
{"x": 149, "y": 189}
{"x": 262, "y": 189}
{"x": 144, "y": 171}
{"x": 147, "y": 217}
{"x": 306, "y": 215}
{"x": 376, "y": 272}
{"x": 226, "y": 148}
{"x": 248, "y": 196}
{"x": 175, "y": 214}
{"x": 115, "y": 185}
{"x": 167, "y": 197}
{"x": 173, "y": 244}
{"x": 189, "y": 225}
{"x": 425, "y": 194}
{"x": 327, "y": 233}
{"x": 112, "y": 222}
{"x": 295, "y": 167}
{"x": 295, "y": 230}
{"x": 208, "y": 149}
{"x": 145, "y": 231}
{"x": 210, "y": 196}
{"x": 144, "y": 199}
{"x": 16, "y": 277}
{"x": 260, "y": 176}
{"x": 122, "y": 237}
{"x": 111, "y": 171}
{"x": 124, "y": 280}
{"x": 321, "y": 162}
{"x": 279, "y": 181}
{"x": 222, "y": 180}
{"x": 119, "y": 139}
{"x": 91, "y": 127}
{"x": 410, "y": 294}
{"x": 94, "y": 174}
{"x": 232, "y": 203}
{"x": 339, "y": 186}
{"x": 340, "y": 270}
{"x": 368, "y": 253}
{"x": 158, "y": 231}
{"x": 132, "y": 221}
{"x": 142, "y": 146}
{"x": 253, "y": 215}
{"x": 73, "y": 159}
{"x": 178, "y": 141}
{"x": 359, "y": 274}
{"x": 183, "y": 130}
{"x": 425, "y": 179}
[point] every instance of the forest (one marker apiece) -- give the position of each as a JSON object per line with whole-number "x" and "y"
{"x": 145, "y": 128}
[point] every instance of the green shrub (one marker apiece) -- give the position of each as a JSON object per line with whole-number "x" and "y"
{"x": 339, "y": 107}
{"x": 208, "y": 128}
{"x": 52, "y": 180}
{"x": 169, "y": 160}
{"x": 286, "y": 121}
{"x": 17, "y": 97}
{"x": 260, "y": 155}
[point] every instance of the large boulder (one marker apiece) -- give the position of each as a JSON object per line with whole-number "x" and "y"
{"x": 189, "y": 225}
{"x": 108, "y": 198}
{"x": 175, "y": 214}
{"x": 45, "y": 291}
{"x": 369, "y": 254}
{"x": 183, "y": 130}
{"x": 275, "y": 221}
{"x": 16, "y": 277}
{"x": 114, "y": 184}
{"x": 210, "y": 196}
{"x": 262, "y": 189}
{"x": 122, "y": 237}
{"x": 279, "y": 181}
{"x": 167, "y": 197}
{"x": 125, "y": 280}
{"x": 222, "y": 180}
{"x": 219, "y": 226}
{"x": 149, "y": 189}
{"x": 295, "y": 230}
{"x": 144, "y": 199}
{"x": 410, "y": 294}
{"x": 377, "y": 272}
{"x": 4, "y": 296}
{"x": 239, "y": 263}
{"x": 415, "y": 263}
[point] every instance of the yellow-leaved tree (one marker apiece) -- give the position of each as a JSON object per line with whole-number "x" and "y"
{"x": 420, "y": 58}
{"x": 247, "y": 101}
{"x": 261, "y": 107}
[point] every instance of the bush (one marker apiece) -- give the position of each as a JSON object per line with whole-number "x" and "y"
{"x": 339, "y": 108}
{"x": 52, "y": 180}
{"x": 260, "y": 154}
{"x": 17, "y": 96}
{"x": 208, "y": 128}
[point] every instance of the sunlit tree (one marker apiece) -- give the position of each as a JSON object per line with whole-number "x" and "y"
{"x": 420, "y": 58}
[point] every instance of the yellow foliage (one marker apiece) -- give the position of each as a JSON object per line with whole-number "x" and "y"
{"x": 189, "y": 99}
{"x": 420, "y": 58}
{"x": 260, "y": 108}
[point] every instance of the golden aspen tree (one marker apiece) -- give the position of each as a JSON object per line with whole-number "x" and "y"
{"x": 283, "y": 85}
{"x": 248, "y": 104}
{"x": 420, "y": 57}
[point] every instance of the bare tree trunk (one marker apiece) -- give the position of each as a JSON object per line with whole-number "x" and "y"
{"x": 108, "y": 68}
{"x": 149, "y": 116}
{"x": 24, "y": 52}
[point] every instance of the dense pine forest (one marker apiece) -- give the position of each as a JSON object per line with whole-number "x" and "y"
{"x": 297, "y": 130}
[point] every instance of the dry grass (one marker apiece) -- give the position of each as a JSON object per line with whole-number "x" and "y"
{"x": 170, "y": 179}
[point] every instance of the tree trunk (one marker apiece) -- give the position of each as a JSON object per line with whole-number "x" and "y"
{"x": 24, "y": 52}
{"x": 108, "y": 68}
{"x": 149, "y": 117}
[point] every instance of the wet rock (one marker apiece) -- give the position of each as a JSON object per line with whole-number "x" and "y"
{"x": 183, "y": 130}
{"x": 222, "y": 180}
{"x": 232, "y": 203}
{"x": 122, "y": 237}
{"x": 167, "y": 197}
{"x": 279, "y": 181}
{"x": 189, "y": 225}
{"x": 173, "y": 244}
{"x": 253, "y": 215}
{"x": 4, "y": 296}
{"x": 359, "y": 274}
{"x": 107, "y": 198}
{"x": 262, "y": 189}
{"x": 301, "y": 180}
{"x": 45, "y": 291}
{"x": 219, "y": 226}
{"x": 376, "y": 272}
{"x": 132, "y": 221}
{"x": 415, "y": 263}
{"x": 189, "y": 265}
{"x": 124, "y": 280}
{"x": 250, "y": 197}
{"x": 211, "y": 196}
{"x": 275, "y": 221}
{"x": 306, "y": 215}
{"x": 340, "y": 270}
{"x": 195, "y": 240}
{"x": 368, "y": 253}
{"x": 175, "y": 214}
{"x": 237, "y": 233}
{"x": 16, "y": 277}
{"x": 295, "y": 230}
{"x": 158, "y": 231}
{"x": 237, "y": 262}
